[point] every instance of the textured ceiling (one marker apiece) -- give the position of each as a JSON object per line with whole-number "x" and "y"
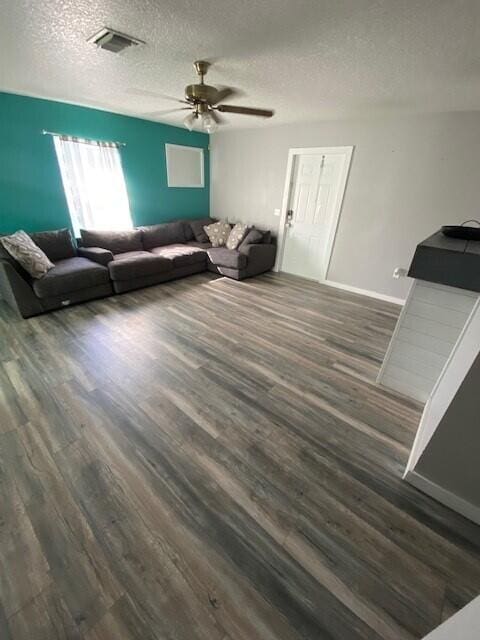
{"x": 307, "y": 59}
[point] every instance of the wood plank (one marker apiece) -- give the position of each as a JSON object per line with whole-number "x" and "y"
{"x": 23, "y": 565}
{"x": 44, "y": 617}
{"x": 76, "y": 563}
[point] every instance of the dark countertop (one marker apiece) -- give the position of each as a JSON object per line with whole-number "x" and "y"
{"x": 448, "y": 261}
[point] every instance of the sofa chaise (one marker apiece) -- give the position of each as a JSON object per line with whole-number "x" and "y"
{"x": 106, "y": 262}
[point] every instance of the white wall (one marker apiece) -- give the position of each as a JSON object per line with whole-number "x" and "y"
{"x": 409, "y": 175}
{"x": 449, "y": 460}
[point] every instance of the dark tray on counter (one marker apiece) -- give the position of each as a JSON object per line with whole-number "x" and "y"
{"x": 462, "y": 232}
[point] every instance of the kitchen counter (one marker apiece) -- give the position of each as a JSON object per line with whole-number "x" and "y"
{"x": 447, "y": 261}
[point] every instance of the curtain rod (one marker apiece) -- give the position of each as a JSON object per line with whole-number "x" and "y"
{"x": 55, "y": 133}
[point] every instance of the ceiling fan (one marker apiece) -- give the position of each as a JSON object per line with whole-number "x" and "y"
{"x": 205, "y": 103}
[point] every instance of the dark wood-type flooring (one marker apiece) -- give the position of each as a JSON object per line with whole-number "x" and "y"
{"x": 212, "y": 460}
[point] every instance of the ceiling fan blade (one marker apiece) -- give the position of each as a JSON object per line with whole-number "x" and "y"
{"x": 153, "y": 114}
{"x": 246, "y": 111}
{"x": 218, "y": 118}
{"x": 225, "y": 94}
{"x": 153, "y": 94}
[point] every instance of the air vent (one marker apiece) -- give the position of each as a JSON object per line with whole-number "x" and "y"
{"x": 113, "y": 41}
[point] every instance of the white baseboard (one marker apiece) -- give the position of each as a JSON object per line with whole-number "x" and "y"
{"x": 364, "y": 292}
{"x": 449, "y": 499}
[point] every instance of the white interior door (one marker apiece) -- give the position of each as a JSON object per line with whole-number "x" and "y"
{"x": 315, "y": 196}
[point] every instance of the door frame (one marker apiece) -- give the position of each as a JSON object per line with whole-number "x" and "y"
{"x": 347, "y": 152}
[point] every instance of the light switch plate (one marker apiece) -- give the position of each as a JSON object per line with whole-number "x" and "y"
{"x": 276, "y": 212}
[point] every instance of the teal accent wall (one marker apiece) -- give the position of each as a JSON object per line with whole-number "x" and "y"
{"x": 31, "y": 191}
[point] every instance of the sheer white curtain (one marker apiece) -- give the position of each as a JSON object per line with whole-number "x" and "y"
{"x": 94, "y": 185}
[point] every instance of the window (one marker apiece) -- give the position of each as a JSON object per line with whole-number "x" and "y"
{"x": 184, "y": 166}
{"x": 94, "y": 185}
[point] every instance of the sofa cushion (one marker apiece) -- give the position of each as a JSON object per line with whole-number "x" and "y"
{"x": 254, "y": 236}
{"x": 199, "y": 245}
{"x": 198, "y": 230}
{"x": 68, "y": 275}
{"x": 181, "y": 254}
{"x": 57, "y": 244}
{"x": 227, "y": 258}
{"x": 29, "y": 256}
{"x": 267, "y": 237}
{"x": 218, "y": 233}
{"x": 137, "y": 264}
{"x": 159, "y": 235}
{"x": 187, "y": 230}
{"x": 130, "y": 254}
{"x": 114, "y": 241}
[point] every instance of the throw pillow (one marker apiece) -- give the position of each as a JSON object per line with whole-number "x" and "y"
{"x": 197, "y": 227}
{"x": 23, "y": 249}
{"x": 254, "y": 236}
{"x": 218, "y": 233}
{"x": 236, "y": 235}
{"x": 267, "y": 237}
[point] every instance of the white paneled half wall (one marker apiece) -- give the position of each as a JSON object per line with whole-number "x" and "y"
{"x": 429, "y": 326}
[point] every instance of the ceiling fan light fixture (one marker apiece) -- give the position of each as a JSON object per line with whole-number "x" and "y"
{"x": 205, "y": 104}
{"x": 209, "y": 123}
{"x": 211, "y": 128}
{"x": 190, "y": 121}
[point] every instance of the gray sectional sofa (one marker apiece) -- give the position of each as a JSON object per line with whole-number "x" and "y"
{"x": 105, "y": 262}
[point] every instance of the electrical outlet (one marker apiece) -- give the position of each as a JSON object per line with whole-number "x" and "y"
{"x": 399, "y": 272}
